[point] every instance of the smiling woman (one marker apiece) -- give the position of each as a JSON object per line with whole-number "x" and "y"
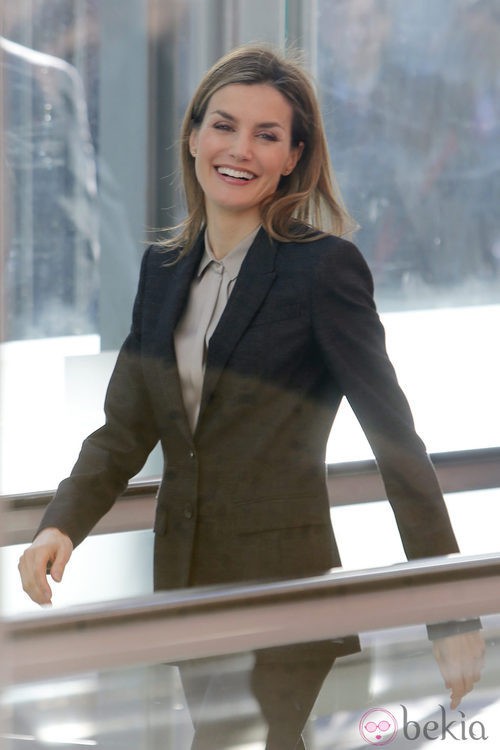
{"x": 284, "y": 117}
{"x": 242, "y": 149}
{"x": 245, "y": 338}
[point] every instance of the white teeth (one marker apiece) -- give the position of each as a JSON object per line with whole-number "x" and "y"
{"x": 235, "y": 173}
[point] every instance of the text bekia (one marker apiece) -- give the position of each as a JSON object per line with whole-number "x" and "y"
{"x": 456, "y": 729}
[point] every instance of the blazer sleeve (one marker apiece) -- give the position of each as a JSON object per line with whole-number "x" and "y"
{"x": 352, "y": 341}
{"x": 114, "y": 453}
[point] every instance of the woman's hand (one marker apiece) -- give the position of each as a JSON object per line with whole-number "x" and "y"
{"x": 460, "y": 659}
{"x": 50, "y": 549}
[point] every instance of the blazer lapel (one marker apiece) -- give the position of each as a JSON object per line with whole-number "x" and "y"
{"x": 176, "y": 295}
{"x": 252, "y": 286}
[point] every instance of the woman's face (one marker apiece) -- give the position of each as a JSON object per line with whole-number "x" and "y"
{"x": 242, "y": 148}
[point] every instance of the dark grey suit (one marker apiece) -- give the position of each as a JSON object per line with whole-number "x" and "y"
{"x": 300, "y": 330}
{"x": 245, "y": 496}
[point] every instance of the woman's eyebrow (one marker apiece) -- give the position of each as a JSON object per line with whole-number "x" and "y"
{"x": 223, "y": 114}
{"x": 232, "y": 118}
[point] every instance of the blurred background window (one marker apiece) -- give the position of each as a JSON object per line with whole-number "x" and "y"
{"x": 93, "y": 96}
{"x": 411, "y": 103}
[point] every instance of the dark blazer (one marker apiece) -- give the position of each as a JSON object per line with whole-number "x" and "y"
{"x": 245, "y": 497}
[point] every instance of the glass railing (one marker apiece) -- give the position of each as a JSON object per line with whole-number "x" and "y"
{"x": 144, "y": 707}
{"x": 116, "y": 561}
{"x": 137, "y": 673}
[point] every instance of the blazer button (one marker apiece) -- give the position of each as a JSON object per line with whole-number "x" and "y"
{"x": 192, "y": 454}
{"x": 188, "y": 511}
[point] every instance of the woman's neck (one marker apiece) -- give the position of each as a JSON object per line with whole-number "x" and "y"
{"x": 226, "y": 232}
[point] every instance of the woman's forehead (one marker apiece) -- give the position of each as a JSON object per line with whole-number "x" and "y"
{"x": 261, "y": 101}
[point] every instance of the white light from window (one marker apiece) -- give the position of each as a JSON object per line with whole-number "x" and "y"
{"x": 66, "y": 734}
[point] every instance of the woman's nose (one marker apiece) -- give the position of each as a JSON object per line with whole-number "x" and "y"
{"x": 241, "y": 147}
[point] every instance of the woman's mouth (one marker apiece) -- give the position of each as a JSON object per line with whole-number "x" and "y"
{"x": 236, "y": 174}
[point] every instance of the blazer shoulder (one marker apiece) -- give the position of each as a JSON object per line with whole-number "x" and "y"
{"x": 329, "y": 252}
{"x": 339, "y": 264}
{"x": 331, "y": 245}
{"x": 156, "y": 256}
{"x": 342, "y": 248}
{"x": 152, "y": 277}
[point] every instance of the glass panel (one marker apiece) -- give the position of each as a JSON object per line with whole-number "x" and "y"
{"x": 105, "y": 567}
{"x": 51, "y": 271}
{"x": 391, "y": 690}
{"x": 76, "y": 219}
{"x": 413, "y": 132}
{"x": 413, "y": 119}
{"x": 367, "y": 534}
{"x": 110, "y": 566}
{"x": 411, "y": 104}
{"x": 88, "y": 180}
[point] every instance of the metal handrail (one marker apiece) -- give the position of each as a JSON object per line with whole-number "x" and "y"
{"x": 172, "y": 626}
{"x": 348, "y": 483}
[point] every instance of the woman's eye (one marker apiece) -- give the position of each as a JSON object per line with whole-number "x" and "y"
{"x": 268, "y": 136}
{"x": 222, "y": 126}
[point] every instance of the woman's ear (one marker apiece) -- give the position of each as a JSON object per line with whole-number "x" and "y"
{"x": 293, "y": 159}
{"x": 193, "y": 142}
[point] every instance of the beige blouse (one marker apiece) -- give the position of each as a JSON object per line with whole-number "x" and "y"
{"x": 208, "y": 295}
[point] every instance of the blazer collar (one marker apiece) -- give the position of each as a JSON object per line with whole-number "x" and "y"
{"x": 254, "y": 281}
{"x": 176, "y": 295}
{"x": 176, "y": 299}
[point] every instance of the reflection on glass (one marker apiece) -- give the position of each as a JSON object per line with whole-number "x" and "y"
{"x": 52, "y": 241}
{"x": 411, "y": 102}
{"x": 392, "y": 689}
{"x": 72, "y": 245}
{"x": 412, "y": 105}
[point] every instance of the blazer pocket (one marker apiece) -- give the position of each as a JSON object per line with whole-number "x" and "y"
{"x": 281, "y": 513}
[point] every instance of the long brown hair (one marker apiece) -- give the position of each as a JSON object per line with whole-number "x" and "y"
{"x": 305, "y": 201}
